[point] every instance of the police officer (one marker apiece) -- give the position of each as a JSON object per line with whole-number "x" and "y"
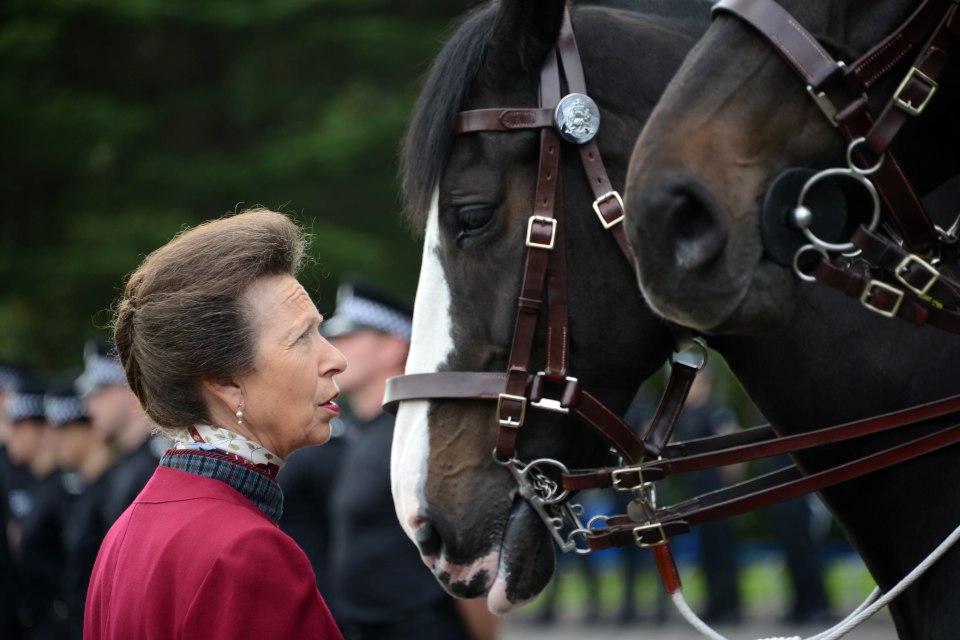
{"x": 117, "y": 415}
{"x": 88, "y": 460}
{"x": 9, "y": 622}
{"x": 379, "y": 586}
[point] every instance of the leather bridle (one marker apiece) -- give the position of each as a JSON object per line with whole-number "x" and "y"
{"x": 647, "y": 457}
{"x": 544, "y": 290}
{"x": 895, "y": 276}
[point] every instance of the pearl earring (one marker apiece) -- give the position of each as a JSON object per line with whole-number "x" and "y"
{"x": 240, "y": 415}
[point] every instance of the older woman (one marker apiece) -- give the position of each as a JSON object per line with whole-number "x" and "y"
{"x": 221, "y": 345}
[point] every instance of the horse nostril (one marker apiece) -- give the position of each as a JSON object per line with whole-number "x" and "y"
{"x": 696, "y": 228}
{"x": 428, "y": 540}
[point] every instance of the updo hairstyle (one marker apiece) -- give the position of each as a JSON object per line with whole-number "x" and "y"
{"x": 182, "y": 317}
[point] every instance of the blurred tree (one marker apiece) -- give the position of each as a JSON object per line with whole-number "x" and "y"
{"x": 123, "y": 122}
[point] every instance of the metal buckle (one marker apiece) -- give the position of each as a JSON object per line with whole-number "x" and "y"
{"x": 906, "y": 105}
{"x": 553, "y": 232}
{"x": 616, "y": 480}
{"x": 825, "y": 105}
{"x": 607, "y": 196}
{"x": 820, "y": 97}
{"x": 868, "y": 293}
{"x": 926, "y": 266}
{"x": 639, "y": 531}
{"x": 510, "y": 422}
{"x": 551, "y": 404}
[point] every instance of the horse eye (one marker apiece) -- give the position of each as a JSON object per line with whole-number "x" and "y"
{"x": 472, "y": 220}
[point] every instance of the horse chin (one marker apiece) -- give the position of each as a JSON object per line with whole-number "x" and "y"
{"x": 765, "y": 306}
{"x": 761, "y": 303}
{"x": 512, "y": 573}
{"x": 527, "y": 560}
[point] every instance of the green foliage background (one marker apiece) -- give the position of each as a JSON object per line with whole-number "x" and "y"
{"x": 123, "y": 122}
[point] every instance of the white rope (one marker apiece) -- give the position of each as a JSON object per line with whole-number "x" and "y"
{"x": 870, "y": 606}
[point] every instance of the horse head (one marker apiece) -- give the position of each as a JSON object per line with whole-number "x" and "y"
{"x": 471, "y": 195}
{"x": 735, "y": 117}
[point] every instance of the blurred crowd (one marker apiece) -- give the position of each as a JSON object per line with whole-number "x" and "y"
{"x": 75, "y": 450}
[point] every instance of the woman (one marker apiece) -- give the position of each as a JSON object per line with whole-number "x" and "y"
{"x": 221, "y": 345}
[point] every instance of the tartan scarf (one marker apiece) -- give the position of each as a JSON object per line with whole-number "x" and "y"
{"x": 255, "y": 484}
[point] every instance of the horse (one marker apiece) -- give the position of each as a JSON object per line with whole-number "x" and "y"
{"x": 470, "y": 195}
{"x": 732, "y": 120}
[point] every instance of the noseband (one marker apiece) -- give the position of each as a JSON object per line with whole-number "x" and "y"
{"x": 897, "y": 274}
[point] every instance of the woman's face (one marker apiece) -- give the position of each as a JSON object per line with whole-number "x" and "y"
{"x": 288, "y": 396}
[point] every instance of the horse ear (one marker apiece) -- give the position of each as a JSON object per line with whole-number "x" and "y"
{"x": 523, "y": 32}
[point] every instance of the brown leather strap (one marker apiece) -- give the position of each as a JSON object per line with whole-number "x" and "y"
{"x": 811, "y": 61}
{"x": 916, "y": 89}
{"x": 800, "y": 49}
{"x": 674, "y": 396}
{"x": 608, "y": 203}
{"x": 885, "y": 298}
{"x": 908, "y": 270}
{"x": 801, "y": 441}
{"x": 709, "y": 507}
{"x": 883, "y": 56}
{"x": 502, "y": 120}
{"x": 479, "y": 385}
{"x": 443, "y": 385}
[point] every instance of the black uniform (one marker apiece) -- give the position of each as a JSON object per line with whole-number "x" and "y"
{"x": 307, "y": 481}
{"x": 380, "y": 588}
{"x": 43, "y": 559}
{"x": 9, "y": 622}
{"x": 84, "y": 529}
{"x": 130, "y": 475}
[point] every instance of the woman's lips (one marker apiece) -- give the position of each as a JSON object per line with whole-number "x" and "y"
{"x": 331, "y": 406}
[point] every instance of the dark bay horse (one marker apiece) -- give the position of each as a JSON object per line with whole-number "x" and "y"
{"x": 471, "y": 195}
{"x": 734, "y": 117}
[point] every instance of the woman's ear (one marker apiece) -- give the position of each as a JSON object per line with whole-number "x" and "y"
{"x": 225, "y": 392}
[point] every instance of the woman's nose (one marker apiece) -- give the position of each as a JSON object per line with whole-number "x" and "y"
{"x": 332, "y": 361}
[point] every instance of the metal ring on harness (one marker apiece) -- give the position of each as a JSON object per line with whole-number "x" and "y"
{"x": 803, "y": 217}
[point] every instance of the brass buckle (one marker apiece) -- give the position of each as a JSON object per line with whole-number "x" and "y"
{"x": 639, "y": 531}
{"x": 596, "y": 207}
{"x": 510, "y": 422}
{"x": 822, "y": 101}
{"x": 868, "y": 293}
{"x": 553, "y": 232}
{"x": 616, "y": 480}
{"x": 926, "y": 266}
{"x": 906, "y": 105}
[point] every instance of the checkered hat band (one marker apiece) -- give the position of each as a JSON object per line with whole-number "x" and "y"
{"x": 8, "y": 378}
{"x": 100, "y": 371}
{"x": 374, "y": 315}
{"x": 62, "y": 409}
{"x": 25, "y": 405}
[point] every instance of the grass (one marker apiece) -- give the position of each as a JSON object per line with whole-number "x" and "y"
{"x": 764, "y": 584}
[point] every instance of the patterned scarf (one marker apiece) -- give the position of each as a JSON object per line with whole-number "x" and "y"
{"x": 214, "y": 452}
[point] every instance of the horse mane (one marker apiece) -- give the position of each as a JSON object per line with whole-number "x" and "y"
{"x": 429, "y": 135}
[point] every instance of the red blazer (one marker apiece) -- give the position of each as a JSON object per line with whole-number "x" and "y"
{"x": 193, "y": 558}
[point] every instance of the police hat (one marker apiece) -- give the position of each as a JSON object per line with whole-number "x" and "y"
{"x": 101, "y": 368}
{"x": 9, "y": 377}
{"x": 62, "y": 403}
{"x": 362, "y": 305}
{"x": 26, "y": 401}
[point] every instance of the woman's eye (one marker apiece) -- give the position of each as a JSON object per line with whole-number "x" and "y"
{"x": 472, "y": 220}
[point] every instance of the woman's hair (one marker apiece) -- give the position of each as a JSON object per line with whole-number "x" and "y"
{"x": 182, "y": 317}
